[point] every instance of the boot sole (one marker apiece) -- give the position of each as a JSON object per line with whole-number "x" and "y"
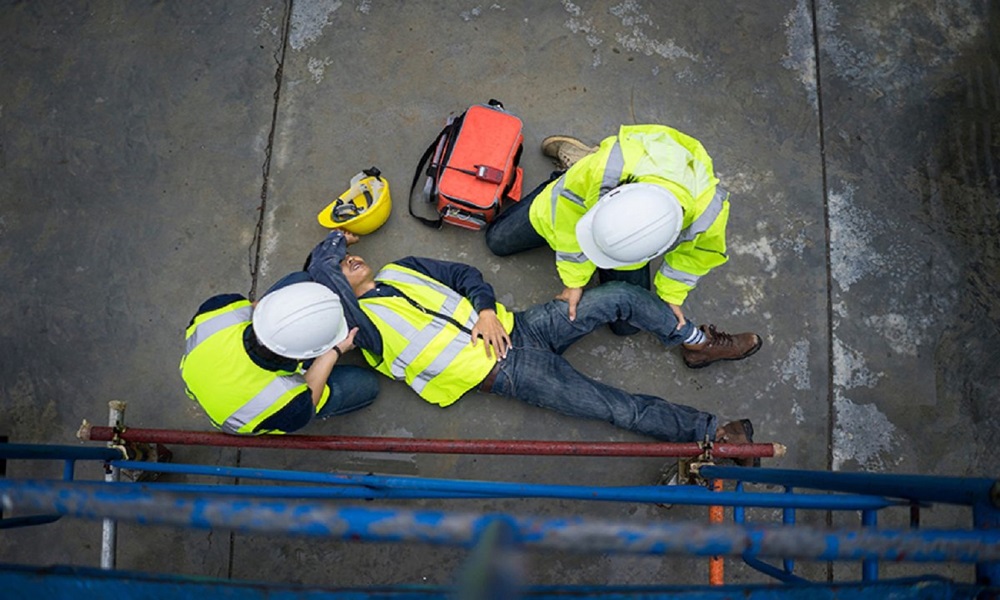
{"x": 751, "y": 352}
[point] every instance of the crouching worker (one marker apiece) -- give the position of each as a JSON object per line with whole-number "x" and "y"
{"x": 437, "y": 326}
{"x": 244, "y": 362}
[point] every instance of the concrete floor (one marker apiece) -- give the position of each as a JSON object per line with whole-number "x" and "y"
{"x": 154, "y": 154}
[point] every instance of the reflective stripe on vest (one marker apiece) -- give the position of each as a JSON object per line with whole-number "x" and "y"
{"x": 260, "y": 403}
{"x": 452, "y": 300}
{"x": 681, "y": 276}
{"x": 207, "y": 329}
{"x": 613, "y": 169}
{"x": 610, "y": 179}
{"x": 573, "y": 257}
{"x": 704, "y": 220}
{"x": 689, "y": 233}
{"x": 420, "y": 339}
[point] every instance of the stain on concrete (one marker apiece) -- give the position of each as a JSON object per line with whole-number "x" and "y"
{"x": 637, "y": 33}
{"x": 269, "y": 245}
{"x": 853, "y": 254}
{"x": 800, "y": 54}
{"x": 850, "y": 370}
{"x": 862, "y": 434}
{"x": 269, "y": 23}
{"x": 904, "y": 336}
{"x": 317, "y": 67}
{"x": 636, "y": 39}
{"x": 759, "y": 249}
{"x": 795, "y": 367}
{"x": 888, "y": 65}
{"x": 309, "y": 18}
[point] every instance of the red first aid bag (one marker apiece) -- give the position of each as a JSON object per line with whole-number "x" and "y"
{"x": 471, "y": 169}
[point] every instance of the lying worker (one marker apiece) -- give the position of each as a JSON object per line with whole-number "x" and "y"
{"x": 243, "y": 362}
{"x": 426, "y": 318}
{"x": 645, "y": 192}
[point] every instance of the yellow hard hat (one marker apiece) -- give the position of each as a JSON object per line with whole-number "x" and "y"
{"x": 363, "y": 208}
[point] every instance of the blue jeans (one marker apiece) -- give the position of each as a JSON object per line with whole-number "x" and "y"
{"x": 535, "y": 371}
{"x": 512, "y": 232}
{"x": 351, "y": 388}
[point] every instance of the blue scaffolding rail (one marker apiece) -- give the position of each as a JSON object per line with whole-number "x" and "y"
{"x": 300, "y": 506}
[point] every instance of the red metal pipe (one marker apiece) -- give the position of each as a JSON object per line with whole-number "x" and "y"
{"x": 416, "y": 445}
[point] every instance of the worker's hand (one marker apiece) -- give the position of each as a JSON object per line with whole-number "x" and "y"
{"x": 491, "y": 330}
{"x": 678, "y": 313}
{"x": 351, "y": 238}
{"x": 572, "y": 297}
{"x": 347, "y": 344}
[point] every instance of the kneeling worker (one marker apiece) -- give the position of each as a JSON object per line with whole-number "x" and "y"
{"x": 243, "y": 362}
{"x": 648, "y": 191}
{"x": 426, "y": 318}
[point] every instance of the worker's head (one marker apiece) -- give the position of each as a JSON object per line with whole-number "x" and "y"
{"x": 632, "y": 224}
{"x": 358, "y": 273}
{"x": 300, "y": 321}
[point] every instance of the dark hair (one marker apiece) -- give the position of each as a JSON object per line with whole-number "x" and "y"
{"x": 263, "y": 356}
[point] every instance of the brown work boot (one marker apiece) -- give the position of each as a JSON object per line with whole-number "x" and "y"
{"x": 738, "y": 432}
{"x": 565, "y": 150}
{"x": 719, "y": 345}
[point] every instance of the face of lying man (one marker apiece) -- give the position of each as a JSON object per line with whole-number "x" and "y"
{"x": 357, "y": 272}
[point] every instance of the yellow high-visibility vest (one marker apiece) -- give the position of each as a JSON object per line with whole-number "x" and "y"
{"x": 640, "y": 153}
{"x": 426, "y": 336}
{"x": 236, "y": 393}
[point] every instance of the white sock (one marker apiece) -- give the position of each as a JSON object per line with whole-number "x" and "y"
{"x": 696, "y": 337}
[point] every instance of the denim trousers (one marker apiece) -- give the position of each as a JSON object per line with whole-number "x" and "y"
{"x": 351, "y": 388}
{"x": 512, "y": 232}
{"x": 535, "y": 372}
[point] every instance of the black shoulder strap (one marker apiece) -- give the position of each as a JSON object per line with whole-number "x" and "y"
{"x": 423, "y": 204}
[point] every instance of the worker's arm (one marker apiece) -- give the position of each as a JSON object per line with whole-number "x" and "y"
{"x": 318, "y": 373}
{"x": 323, "y": 265}
{"x": 684, "y": 266}
{"x": 300, "y": 410}
{"x": 464, "y": 279}
{"x": 291, "y": 417}
{"x": 468, "y": 281}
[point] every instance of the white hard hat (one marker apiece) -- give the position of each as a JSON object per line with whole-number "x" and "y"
{"x": 633, "y": 223}
{"x": 302, "y": 320}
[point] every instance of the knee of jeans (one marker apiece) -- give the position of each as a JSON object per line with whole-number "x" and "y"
{"x": 368, "y": 388}
{"x": 623, "y": 328}
{"x": 496, "y": 244}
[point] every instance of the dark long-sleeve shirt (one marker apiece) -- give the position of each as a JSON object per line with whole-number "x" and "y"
{"x": 324, "y": 267}
{"x": 300, "y": 409}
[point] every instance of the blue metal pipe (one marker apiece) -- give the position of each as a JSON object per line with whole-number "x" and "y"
{"x": 438, "y": 527}
{"x": 788, "y": 518}
{"x": 987, "y": 517}
{"x": 965, "y": 491}
{"x": 56, "y": 452}
{"x": 869, "y": 568}
{"x": 14, "y": 522}
{"x": 20, "y": 581}
{"x": 783, "y": 575}
{"x": 285, "y": 491}
{"x": 691, "y": 495}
